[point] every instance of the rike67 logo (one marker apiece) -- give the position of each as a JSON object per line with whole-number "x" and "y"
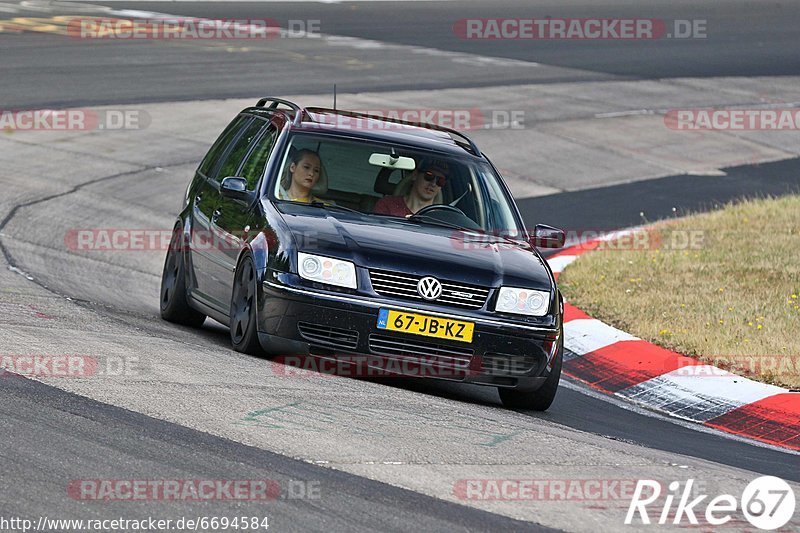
{"x": 767, "y": 502}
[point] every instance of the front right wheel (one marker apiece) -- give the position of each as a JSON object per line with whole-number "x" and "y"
{"x": 244, "y": 303}
{"x": 541, "y": 398}
{"x": 174, "y": 306}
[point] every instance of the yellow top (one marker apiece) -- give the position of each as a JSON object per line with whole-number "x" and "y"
{"x": 283, "y": 194}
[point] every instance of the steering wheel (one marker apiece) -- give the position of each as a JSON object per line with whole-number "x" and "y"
{"x": 443, "y": 207}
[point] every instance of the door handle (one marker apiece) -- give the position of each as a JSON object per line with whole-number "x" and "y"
{"x": 198, "y": 198}
{"x": 215, "y": 215}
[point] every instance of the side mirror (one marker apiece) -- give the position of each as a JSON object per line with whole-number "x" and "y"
{"x": 236, "y": 188}
{"x": 548, "y": 237}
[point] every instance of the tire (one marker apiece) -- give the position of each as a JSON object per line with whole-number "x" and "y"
{"x": 541, "y": 398}
{"x": 174, "y": 307}
{"x": 244, "y": 313}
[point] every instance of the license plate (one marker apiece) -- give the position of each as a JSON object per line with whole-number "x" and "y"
{"x": 428, "y": 326}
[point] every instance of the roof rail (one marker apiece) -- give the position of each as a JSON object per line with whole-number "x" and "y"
{"x": 275, "y": 102}
{"x": 472, "y": 146}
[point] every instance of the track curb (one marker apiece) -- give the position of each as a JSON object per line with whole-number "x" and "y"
{"x": 617, "y": 363}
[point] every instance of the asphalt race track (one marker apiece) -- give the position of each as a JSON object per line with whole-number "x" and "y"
{"x": 743, "y": 39}
{"x": 347, "y": 454}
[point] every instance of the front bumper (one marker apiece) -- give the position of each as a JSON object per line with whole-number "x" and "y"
{"x": 297, "y": 320}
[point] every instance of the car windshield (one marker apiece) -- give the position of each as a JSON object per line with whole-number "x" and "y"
{"x": 378, "y": 179}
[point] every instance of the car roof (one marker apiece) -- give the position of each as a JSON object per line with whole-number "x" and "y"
{"x": 367, "y": 127}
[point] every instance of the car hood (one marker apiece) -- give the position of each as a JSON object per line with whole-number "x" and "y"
{"x": 396, "y": 244}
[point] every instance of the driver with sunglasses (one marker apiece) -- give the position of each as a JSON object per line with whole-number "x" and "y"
{"x": 424, "y": 186}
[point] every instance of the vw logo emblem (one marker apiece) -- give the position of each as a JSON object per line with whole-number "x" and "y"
{"x": 429, "y": 288}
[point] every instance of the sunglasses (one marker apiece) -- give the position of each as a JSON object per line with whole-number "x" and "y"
{"x": 437, "y": 178}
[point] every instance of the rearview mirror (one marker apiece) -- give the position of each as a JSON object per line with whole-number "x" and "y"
{"x": 235, "y": 187}
{"x": 548, "y": 237}
{"x": 392, "y": 161}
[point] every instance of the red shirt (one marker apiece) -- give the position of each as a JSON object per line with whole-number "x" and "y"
{"x": 392, "y": 205}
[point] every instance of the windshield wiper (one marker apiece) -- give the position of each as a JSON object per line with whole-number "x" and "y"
{"x": 439, "y": 222}
{"x": 334, "y": 206}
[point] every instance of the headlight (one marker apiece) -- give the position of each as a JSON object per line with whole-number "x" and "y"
{"x": 523, "y": 301}
{"x": 327, "y": 270}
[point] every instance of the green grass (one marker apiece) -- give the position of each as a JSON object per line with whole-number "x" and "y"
{"x": 732, "y": 299}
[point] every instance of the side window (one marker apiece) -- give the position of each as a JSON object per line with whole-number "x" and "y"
{"x": 239, "y": 149}
{"x": 222, "y": 142}
{"x": 254, "y": 166}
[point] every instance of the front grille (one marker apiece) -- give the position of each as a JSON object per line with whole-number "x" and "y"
{"x": 427, "y": 352}
{"x": 403, "y": 285}
{"x": 328, "y": 336}
{"x": 507, "y": 364}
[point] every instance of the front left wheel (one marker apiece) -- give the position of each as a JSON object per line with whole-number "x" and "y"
{"x": 244, "y": 303}
{"x": 541, "y": 398}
